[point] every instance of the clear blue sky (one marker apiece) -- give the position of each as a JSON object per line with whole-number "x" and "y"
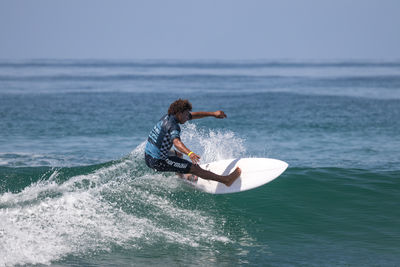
{"x": 203, "y": 29}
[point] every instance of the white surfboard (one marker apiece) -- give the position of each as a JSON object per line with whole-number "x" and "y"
{"x": 255, "y": 172}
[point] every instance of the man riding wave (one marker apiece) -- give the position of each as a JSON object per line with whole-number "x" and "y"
{"x": 166, "y": 133}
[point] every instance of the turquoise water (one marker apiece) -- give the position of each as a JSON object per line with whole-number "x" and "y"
{"x": 74, "y": 189}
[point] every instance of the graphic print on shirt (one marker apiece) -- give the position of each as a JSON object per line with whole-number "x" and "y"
{"x": 161, "y": 137}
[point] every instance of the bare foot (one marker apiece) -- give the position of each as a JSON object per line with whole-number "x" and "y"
{"x": 233, "y": 176}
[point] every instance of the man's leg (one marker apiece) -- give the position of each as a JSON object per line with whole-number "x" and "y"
{"x": 187, "y": 176}
{"x": 173, "y": 152}
{"x": 196, "y": 170}
{"x": 227, "y": 180}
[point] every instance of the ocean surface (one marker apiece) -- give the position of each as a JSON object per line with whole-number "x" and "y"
{"x": 75, "y": 191}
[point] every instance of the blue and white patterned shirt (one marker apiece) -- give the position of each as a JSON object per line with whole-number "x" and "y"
{"x": 162, "y": 135}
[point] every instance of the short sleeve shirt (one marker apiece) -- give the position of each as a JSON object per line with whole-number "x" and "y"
{"x": 161, "y": 137}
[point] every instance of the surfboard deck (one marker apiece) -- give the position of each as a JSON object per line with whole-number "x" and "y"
{"x": 255, "y": 172}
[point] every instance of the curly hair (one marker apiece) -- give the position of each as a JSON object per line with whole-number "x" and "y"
{"x": 179, "y": 105}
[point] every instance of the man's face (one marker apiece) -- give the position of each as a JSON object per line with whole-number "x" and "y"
{"x": 183, "y": 116}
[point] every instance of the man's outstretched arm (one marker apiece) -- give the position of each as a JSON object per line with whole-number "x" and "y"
{"x": 201, "y": 114}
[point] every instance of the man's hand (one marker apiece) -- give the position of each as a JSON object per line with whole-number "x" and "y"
{"x": 195, "y": 158}
{"x": 181, "y": 147}
{"x": 219, "y": 114}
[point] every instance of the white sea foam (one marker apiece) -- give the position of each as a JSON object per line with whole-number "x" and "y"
{"x": 212, "y": 145}
{"x": 115, "y": 206}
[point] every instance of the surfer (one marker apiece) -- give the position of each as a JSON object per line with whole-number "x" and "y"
{"x": 166, "y": 133}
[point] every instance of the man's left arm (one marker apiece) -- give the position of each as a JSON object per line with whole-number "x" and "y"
{"x": 201, "y": 114}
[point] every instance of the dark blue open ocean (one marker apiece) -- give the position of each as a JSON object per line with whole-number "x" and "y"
{"x": 75, "y": 191}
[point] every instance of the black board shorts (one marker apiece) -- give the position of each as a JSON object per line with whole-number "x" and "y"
{"x": 171, "y": 164}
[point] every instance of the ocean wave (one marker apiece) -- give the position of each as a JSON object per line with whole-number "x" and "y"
{"x": 51, "y": 213}
{"x": 137, "y": 77}
{"x": 204, "y": 64}
{"x": 86, "y": 210}
{"x": 81, "y": 211}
